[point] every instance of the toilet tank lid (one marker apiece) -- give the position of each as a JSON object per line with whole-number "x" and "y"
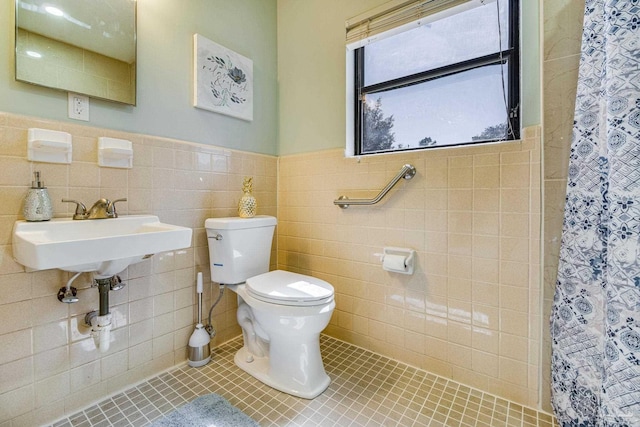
{"x": 235, "y": 222}
{"x": 287, "y": 286}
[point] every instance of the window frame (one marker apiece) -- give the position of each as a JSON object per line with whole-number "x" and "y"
{"x": 510, "y": 55}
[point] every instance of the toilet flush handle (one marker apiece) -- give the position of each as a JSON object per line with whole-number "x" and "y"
{"x": 217, "y": 237}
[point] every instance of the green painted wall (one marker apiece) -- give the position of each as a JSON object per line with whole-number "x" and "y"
{"x": 531, "y": 63}
{"x": 299, "y": 73}
{"x": 311, "y": 70}
{"x": 165, "y": 30}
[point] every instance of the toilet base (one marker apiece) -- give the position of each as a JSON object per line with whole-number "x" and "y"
{"x": 259, "y": 369}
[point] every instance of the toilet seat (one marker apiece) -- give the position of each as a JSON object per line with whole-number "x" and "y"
{"x": 287, "y": 288}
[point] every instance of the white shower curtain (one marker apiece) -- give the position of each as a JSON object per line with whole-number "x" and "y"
{"x": 595, "y": 324}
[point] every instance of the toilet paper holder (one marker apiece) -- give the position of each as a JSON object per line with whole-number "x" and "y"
{"x": 398, "y": 260}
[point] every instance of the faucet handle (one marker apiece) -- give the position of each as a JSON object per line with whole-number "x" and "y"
{"x": 81, "y": 209}
{"x": 111, "y": 208}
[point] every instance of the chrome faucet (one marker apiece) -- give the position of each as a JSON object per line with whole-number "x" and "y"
{"x": 102, "y": 209}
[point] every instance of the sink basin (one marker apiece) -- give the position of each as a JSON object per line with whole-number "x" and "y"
{"x": 103, "y": 246}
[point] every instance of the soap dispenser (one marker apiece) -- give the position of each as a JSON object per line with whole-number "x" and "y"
{"x": 37, "y": 204}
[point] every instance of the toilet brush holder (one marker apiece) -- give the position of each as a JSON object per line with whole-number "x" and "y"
{"x": 199, "y": 350}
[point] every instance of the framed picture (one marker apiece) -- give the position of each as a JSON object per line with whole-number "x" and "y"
{"x": 223, "y": 79}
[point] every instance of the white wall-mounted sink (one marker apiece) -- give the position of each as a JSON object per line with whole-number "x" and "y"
{"x": 103, "y": 246}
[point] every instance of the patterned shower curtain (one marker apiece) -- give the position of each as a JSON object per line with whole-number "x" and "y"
{"x": 595, "y": 323}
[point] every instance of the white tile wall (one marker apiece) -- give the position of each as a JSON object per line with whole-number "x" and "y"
{"x": 470, "y": 312}
{"x": 48, "y": 362}
{"x": 473, "y": 216}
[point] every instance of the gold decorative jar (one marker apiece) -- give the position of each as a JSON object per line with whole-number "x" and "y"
{"x": 247, "y": 205}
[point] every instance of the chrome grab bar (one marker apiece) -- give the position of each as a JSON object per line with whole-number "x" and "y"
{"x": 407, "y": 172}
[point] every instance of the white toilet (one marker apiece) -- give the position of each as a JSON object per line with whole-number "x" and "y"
{"x": 281, "y": 313}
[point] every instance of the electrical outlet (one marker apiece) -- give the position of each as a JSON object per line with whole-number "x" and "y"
{"x": 78, "y": 107}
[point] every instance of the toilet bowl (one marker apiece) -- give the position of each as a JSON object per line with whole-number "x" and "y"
{"x": 282, "y": 339}
{"x": 281, "y": 313}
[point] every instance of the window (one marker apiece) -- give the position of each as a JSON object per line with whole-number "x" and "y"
{"x": 449, "y": 78}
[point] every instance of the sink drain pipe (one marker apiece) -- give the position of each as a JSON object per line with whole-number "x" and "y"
{"x": 104, "y": 286}
{"x": 101, "y": 322}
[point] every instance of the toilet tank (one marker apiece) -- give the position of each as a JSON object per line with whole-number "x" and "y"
{"x": 239, "y": 248}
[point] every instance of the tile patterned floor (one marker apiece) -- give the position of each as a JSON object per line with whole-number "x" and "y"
{"x": 366, "y": 390}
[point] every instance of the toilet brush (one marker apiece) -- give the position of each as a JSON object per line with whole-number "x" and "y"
{"x": 199, "y": 352}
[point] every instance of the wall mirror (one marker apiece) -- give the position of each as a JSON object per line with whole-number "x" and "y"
{"x": 82, "y": 46}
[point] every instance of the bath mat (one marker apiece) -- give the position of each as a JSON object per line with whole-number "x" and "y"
{"x": 208, "y": 410}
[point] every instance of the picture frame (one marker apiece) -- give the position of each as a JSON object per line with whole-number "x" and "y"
{"x": 223, "y": 79}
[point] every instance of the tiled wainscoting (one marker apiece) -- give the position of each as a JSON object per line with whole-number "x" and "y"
{"x": 48, "y": 367}
{"x": 472, "y": 309}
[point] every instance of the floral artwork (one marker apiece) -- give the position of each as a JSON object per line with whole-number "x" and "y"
{"x": 223, "y": 80}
